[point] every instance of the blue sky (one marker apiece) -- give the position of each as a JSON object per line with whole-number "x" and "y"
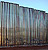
{"x": 36, "y": 4}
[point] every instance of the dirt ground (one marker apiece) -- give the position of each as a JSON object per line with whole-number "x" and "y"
{"x": 26, "y": 48}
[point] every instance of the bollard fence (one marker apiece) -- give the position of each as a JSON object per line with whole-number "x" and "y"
{"x": 22, "y": 26}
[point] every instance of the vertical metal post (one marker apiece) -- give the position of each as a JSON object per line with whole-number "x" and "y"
{"x": 1, "y": 21}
